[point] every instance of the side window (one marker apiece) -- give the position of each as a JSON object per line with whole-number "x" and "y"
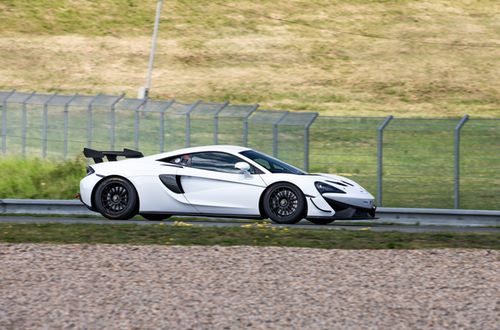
{"x": 210, "y": 161}
{"x": 262, "y": 162}
{"x": 273, "y": 168}
{"x": 184, "y": 160}
{"x": 215, "y": 161}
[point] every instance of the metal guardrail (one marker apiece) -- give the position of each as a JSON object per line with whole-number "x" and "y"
{"x": 410, "y": 216}
{"x": 44, "y": 207}
{"x": 451, "y": 217}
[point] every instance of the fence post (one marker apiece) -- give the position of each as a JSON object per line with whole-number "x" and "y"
{"x": 46, "y": 124}
{"x": 4, "y": 122}
{"x": 112, "y": 128}
{"x": 162, "y": 131}
{"x": 458, "y": 128}
{"x": 65, "y": 129}
{"x": 136, "y": 129}
{"x": 306, "y": 141}
{"x": 136, "y": 123}
{"x": 245, "y": 125}
{"x": 162, "y": 124}
{"x": 24, "y": 123}
{"x": 380, "y": 141}
{"x": 90, "y": 125}
{"x": 216, "y": 121}
{"x": 275, "y": 133}
{"x": 188, "y": 122}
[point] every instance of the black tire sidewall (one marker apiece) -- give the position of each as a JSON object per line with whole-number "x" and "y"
{"x": 129, "y": 211}
{"x": 293, "y": 218}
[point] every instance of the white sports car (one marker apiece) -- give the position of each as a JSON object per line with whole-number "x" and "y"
{"x": 221, "y": 181}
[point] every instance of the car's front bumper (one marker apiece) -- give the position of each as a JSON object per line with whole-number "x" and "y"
{"x": 338, "y": 208}
{"x": 351, "y": 212}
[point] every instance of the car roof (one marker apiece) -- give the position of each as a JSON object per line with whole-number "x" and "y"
{"x": 221, "y": 148}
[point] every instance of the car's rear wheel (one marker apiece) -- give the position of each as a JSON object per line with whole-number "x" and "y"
{"x": 155, "y": 216}
{"x": 321, "y": 221}
{"x": 116, "y": 199}
{"x": 284, "y": 203}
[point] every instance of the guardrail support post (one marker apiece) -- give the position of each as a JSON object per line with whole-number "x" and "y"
{"x": 306, "y": 141}
{"x": 4, "y": 122}
{"x": 380, "y": 141}
{"x": 456, "y": 200}
{"x": 275, "y": 133}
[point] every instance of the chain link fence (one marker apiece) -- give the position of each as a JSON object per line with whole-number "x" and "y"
{"x": 442, "y": 163}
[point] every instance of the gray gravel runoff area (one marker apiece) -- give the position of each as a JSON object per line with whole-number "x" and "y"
{"x": 173, "y": 287}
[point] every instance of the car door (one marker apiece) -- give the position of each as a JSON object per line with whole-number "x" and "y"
{"x": 213, "y": 185}
{"x": 158, "y": 191}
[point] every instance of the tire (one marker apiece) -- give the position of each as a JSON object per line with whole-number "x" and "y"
{"x": 284, "y": 203}
{"x": 116, "y": 199}
{"x": 155, "y": 216}
{"x": 321, "y": 221}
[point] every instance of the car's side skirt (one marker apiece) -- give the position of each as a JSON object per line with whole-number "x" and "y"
{"x": 210, "y": 215}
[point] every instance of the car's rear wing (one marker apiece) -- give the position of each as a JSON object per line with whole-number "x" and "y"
{"x": 98, "y": 156}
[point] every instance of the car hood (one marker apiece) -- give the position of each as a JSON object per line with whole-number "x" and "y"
{"x": 335, "y": 177}
{"x": 348, "y": 185}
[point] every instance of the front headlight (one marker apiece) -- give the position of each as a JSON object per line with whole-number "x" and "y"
{"x": 90, "y": 170}
{"x": 326, "y": 188}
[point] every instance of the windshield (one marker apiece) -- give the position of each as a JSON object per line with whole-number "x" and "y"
{"x": 272, "y": 164}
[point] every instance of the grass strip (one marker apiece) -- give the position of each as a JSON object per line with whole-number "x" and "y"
{"x": 249, "y": 234}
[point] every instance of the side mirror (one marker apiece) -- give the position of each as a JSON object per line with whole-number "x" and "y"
{"x": 242, "y": 166}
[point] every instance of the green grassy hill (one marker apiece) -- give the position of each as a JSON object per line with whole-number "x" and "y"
{"x": 410, "y": 58}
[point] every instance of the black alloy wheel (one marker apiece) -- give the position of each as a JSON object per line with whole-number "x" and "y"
{"x": 116, "y": 199}
{"x": 284, "y": 203}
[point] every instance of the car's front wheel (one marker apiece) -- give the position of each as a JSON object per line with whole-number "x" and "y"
{"x": 284, "y": 203}
{"x": 116, "y": 199}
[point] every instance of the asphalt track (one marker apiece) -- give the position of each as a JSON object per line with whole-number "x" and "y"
{"x": 376, "y": 227}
